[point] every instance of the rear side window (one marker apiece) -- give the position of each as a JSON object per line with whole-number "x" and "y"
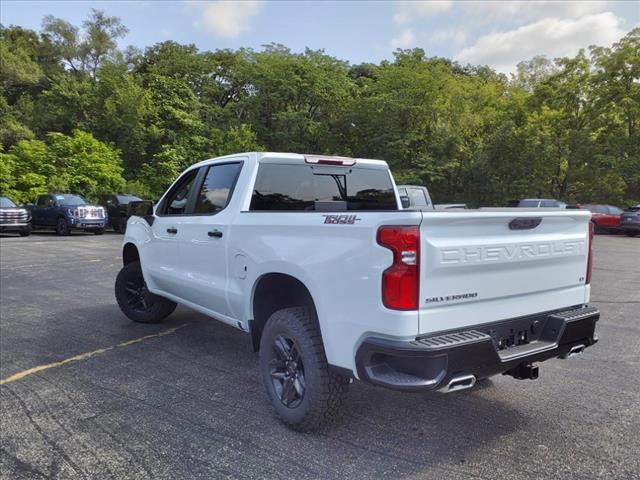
{"x": 417, "y": 197}
{"x": 320, "y": 188}
{"x": 217, "y": 187}
{"x": 615, "y": 210}
{"x": 597, "y": 208}
{"x": 549, "y": 204}
{"x": 529, "y": 204}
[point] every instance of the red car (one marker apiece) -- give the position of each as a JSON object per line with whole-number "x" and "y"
{"x": 605, "y": 218}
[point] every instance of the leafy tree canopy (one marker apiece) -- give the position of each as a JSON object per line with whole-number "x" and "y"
{"x": 78, "y": 112}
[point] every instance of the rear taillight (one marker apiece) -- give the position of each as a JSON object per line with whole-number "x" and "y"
{"x": 590, "y": 254}
{"x": 401, "y": 281}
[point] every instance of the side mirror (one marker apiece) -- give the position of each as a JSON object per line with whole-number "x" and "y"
{"x": 143, "y": 209}
{"x": 405, "y": 201}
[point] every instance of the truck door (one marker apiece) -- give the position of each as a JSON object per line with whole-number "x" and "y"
{"x": 43, "y": 210}
{"x": 161, "y": 262}
{"x": 205, "y": 242}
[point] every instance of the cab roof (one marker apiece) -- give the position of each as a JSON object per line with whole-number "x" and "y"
{"x": 284, "y": 157}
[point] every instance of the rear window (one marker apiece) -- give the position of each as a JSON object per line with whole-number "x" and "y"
{"x": 321, "y": 188}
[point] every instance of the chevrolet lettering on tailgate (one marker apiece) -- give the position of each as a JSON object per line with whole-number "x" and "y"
{"x": 523, "y": 251}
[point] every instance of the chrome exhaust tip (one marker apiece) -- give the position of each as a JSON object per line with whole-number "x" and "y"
{"x": 575, "y": 350}
{"x": 459, "y": 383}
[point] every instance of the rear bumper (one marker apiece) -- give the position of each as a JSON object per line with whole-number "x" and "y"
{"x": 430, "y": 363}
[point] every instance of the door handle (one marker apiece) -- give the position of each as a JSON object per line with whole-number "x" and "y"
{"x": 172, "y": 230}
{"x": 215, "y": 233}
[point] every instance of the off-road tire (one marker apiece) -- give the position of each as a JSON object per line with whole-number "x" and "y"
{"x": 158, "y": 309}
{"x": 324, "y": 389}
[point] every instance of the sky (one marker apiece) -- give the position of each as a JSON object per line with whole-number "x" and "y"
{"x": 495, "y": 33}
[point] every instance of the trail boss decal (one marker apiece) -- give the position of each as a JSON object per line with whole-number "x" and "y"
{"x": 451, "y": 298}
{"x": 341, "y": 219}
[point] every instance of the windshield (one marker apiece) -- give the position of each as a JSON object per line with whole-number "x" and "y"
{"x": 70, "y": 200}
{"x": 124, "y": 199}
{"x": 6, "y": 203}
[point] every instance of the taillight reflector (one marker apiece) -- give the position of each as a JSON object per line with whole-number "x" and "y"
{"x": 590, "y": 253}
{"x": 401, "y": 281}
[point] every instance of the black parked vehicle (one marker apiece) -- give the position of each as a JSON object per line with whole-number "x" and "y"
{"x": 66, "y": 212}
{"x": 14, "y": 218}
{"x": 117, "y": 207}
{"x": 630, "y": 221}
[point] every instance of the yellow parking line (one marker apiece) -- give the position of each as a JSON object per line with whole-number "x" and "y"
{"x": 84, "y": 356}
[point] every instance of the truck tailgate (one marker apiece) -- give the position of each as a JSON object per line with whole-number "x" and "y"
{"x": 492, "y": 264}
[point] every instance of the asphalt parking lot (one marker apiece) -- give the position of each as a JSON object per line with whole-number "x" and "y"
{"x": 184, "y": 399}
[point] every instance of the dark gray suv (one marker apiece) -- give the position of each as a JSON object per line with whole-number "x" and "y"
{"x": 630, "y": 221}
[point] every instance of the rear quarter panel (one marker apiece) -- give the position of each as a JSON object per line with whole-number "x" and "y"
{"x": 340, "y": 264}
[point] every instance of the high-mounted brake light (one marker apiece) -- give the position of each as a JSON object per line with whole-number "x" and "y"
{"x": 339, "y": 161}
{"x": 401, "y": 281}
{"x": 590, "y": 254}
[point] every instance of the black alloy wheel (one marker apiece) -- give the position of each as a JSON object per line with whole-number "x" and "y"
{"x": 136, "y": 301}
{"x": 138, "y": 297}
{"x": 287, "y": 372}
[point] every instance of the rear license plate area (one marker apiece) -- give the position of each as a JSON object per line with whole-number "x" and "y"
{"x": 515, "y": 332}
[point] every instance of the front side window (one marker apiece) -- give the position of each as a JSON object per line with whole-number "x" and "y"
{"x": 43, "y": 200}
{"x": 176, "y": 200}
{"x": 318, "y": 188}
{"x": 529, "y": 204}
{"x": 216, "y": 188}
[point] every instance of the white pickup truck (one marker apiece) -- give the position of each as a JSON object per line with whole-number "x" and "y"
{"x": 316, "y": 259}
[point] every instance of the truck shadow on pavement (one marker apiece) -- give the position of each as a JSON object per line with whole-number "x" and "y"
{"x": 214, "y": 370}
{"x": 190, "y": 402}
